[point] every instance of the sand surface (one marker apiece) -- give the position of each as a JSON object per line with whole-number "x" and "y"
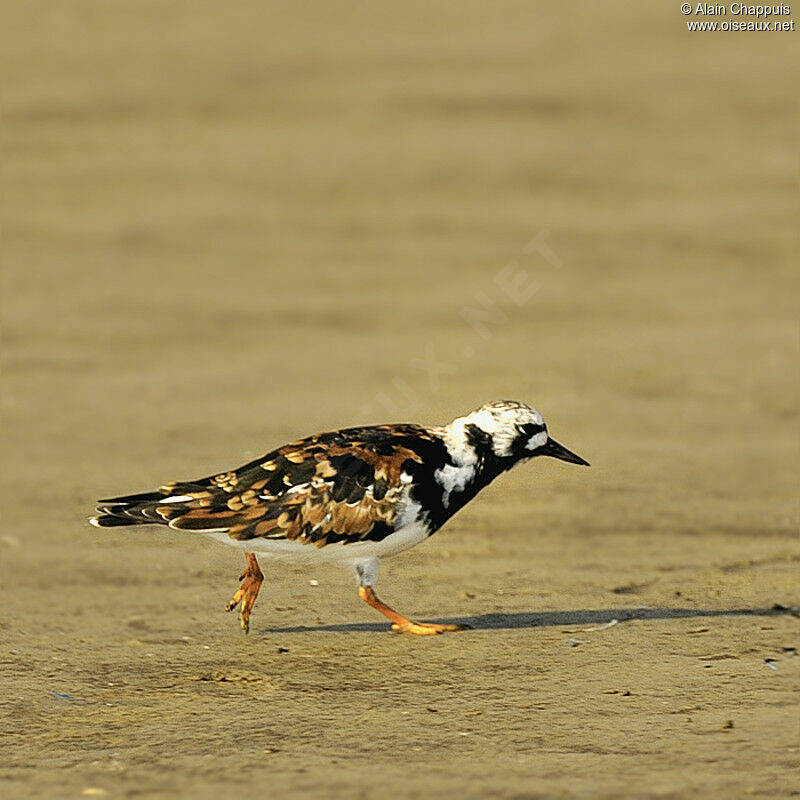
{"x": 230, "y": 225}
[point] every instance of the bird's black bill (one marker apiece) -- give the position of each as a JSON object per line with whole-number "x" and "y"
{"x": 556, "y": 450}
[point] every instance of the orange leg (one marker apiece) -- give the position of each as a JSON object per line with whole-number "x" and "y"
{"x": 247, "y": 593}
{"x": 400, "y": 623}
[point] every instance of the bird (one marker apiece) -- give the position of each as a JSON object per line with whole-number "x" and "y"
{"x": 350, "y": 497}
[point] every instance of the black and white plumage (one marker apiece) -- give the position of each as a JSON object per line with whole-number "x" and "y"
{"x": 350, "y": 497}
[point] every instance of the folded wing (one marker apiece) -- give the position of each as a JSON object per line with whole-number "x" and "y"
{"x": 344, "y": 486}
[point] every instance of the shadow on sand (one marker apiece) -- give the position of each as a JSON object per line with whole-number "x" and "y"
{"x": 547, "y": 619}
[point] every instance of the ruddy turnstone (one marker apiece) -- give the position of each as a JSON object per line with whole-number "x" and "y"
{"x": 350, "y": 497}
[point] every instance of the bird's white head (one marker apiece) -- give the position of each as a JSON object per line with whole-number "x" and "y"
{"x": 511, "y": 430}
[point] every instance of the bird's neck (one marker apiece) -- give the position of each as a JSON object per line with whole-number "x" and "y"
{"x": 471, "y": 449}
{"x": 470, "y": 465}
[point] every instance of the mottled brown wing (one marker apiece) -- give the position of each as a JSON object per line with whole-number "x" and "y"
{"x": 337, "y": 487}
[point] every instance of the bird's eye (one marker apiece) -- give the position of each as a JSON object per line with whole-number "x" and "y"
{"x": 531, "y": 429}
{"x": 532, "y": 436}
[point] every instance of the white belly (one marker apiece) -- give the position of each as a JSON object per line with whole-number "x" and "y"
{"x": 339, "y": 553}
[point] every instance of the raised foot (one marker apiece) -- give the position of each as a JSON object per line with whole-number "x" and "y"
{"x": 426, "y": 628}
{"x": 247, "y": 593}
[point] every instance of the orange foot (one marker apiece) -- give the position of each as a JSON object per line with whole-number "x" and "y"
{"x": 246, "y": 594}
{"x": 425, "y": 628}
{"x": 401, "y": 623}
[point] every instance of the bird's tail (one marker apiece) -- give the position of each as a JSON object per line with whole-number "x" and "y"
{"x": 133, "y": 509}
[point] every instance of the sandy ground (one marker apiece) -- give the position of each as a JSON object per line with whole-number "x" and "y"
{"x": 227, "y": 226}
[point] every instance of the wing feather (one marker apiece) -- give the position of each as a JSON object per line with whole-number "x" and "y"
{"x": 343, "y": 486}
